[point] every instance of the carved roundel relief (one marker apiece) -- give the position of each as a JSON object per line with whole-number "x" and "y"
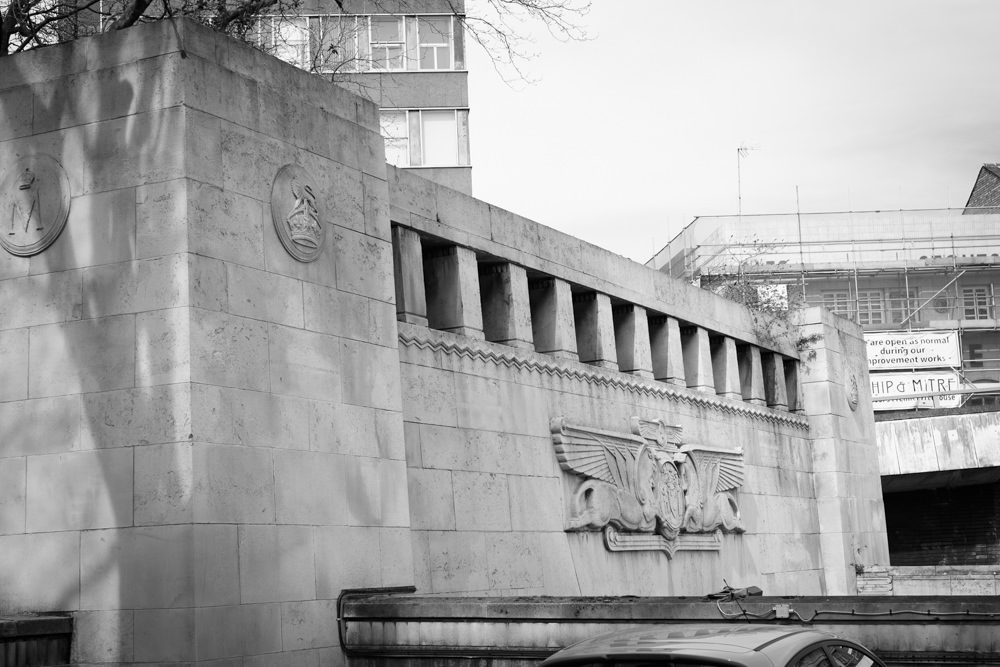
{"x": 296, "y": 214}
{"x": 34, "y": 204}
{"x": 853, "y": 393}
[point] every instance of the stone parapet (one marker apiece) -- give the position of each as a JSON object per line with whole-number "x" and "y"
{"x": 445, "y": 215}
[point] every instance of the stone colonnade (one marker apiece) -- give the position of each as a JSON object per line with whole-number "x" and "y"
{"x": 452, "y": 288}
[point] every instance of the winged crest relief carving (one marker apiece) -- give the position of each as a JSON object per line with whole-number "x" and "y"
{"x": 649, "y": 484}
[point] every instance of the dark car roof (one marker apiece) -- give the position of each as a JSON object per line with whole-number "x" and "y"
{"x": 744, "y": 644}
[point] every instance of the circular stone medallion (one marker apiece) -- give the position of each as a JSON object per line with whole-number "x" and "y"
{"x": 296, "y": 215}
{"x": 853, "y": 393}
{"x": 34, "y": 204}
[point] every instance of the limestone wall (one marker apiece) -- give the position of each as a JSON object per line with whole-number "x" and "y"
{"x": 202, "y": 437}
{"x": 507, "y": 325}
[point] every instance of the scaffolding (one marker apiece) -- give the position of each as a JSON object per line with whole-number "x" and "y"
{"x": 886, "y": 270}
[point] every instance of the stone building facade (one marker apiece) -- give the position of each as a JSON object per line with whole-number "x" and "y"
{"x": 258, "y": 367}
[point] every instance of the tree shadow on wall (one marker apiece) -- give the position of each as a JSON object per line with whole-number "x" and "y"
{"x": 91, "y": 350}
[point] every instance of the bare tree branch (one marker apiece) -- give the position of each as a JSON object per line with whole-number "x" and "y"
{"x": 501, "y": 27}
{"x": 134, "y": 10}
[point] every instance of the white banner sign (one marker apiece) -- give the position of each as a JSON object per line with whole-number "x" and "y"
{"x": 887, "y": 386}
{"x": 924, "y": 349}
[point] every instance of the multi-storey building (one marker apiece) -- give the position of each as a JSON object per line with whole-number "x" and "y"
{"x": 923, "y": 270}
{"x": 924, "y": 285}
{"x": 407, "y": 57}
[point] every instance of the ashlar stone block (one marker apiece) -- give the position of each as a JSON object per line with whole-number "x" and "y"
{"x": 666, "y": 350}
{"x": 395, "y": 547}
{"x": 355, "y": 567}
{"x": 370, "y": 375}
{"x": 431, "y": 498}
{"x": 330, "y": 311}
{"x": 264, "y": 419}
{"x": 218, "y": 634}
{"x": 310, "y": 487}
{"x": 513, "y": 561}
{"x": 698, "y": 371}
{"x": 224, "y": 225}
{"x": 17, "y": 105}
{"x": 153, "y": 568}
{"x": 632, "y": 341}
{"x": 43, "y": 299}
{"x": 103, "y": 636}
{"x": 751, "y": 374}
{"x": 135, "y": 287}
{"x": 451, "y": 282}
{"x": 78, "y": 357}
{"x": 161, "y": 218}
{"x": 394, "y": 501}
{"x": 233, "y": 484}
{"x": 306, "y": 624}
{"x": 14, "y": 362}
{"x": 260, "y": 627}
{"x": 482, "y": 501}
{"x": 793, "y": 384}
{"x": 595, "y": 330}
{"x": 229, "y": 351}
{"x": 725, "y": 368}
{"x": 53, "y": 581}
{"x": 341, "y": 428}
{"x": 264, "y": 296}
{"x": 363, "y": 492}
{"x": 12, "y": 495}
{"x": 775, "y": 387}
{"x": 163, "y": 347}
{"x": 552, "y": 321}
{"x": 277, "y": 563}
{"x": 408, "y": 272}
{"x": 165, "y": 635}
{"x": 535, "y": 503}
{"x": 456, "y": 561}
{"x": 364, "y": 265}
{"x": 79, "y": 490}
{"x": 506, "y": 307}
{"x": 41, "y": 426}
{"x": 304, "y": 363}
{"x": 100, "y": 229}
{"x": 164, "y": 484}
{"x": 430, "y": 393}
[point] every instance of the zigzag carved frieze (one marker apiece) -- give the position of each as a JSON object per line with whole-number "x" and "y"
{"x": 511, "y": 359}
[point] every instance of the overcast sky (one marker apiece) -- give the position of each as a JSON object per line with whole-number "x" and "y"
{"x": 864, "y": 105}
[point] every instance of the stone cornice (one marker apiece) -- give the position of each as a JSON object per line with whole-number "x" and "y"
{"x": 500, "y": 355}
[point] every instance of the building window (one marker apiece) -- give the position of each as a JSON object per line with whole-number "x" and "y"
{"x": 388, "y": 43}
{"x": 902, "y": 305}
{"x": 286, "y": 38}
{"x": 870, "y": 307}
{"x": 330, "y": 43}
{"x": 975, "y": 357}
{"x": 976, "y": 303}
{"x": 434, "y": 34}
{"x": 426, "y": 137}
{"x": 397, "y": 145}
{"x": 837, "y": 302}
{"x": 333, "y": 44}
